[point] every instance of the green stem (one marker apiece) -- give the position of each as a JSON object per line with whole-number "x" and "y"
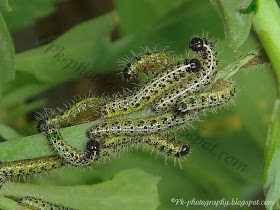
{"x": 266, "y": 23}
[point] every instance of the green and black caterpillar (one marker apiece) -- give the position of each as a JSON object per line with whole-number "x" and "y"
{"x": 19, "y": 168}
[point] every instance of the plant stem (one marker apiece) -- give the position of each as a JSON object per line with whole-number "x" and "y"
{"x": 266, "y": 23}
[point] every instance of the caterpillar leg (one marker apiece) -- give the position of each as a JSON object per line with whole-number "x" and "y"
{"x": 81, "y": 112}
{"x": 197, "y": 81}
{"x": 221, "y": 92}
{"x": 38, "y": 204}
{"x": 19, "y": 168}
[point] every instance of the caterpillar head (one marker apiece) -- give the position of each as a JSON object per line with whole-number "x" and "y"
{"x": 127, "y": 74}
{"x": 196, "y": 44}
{"x": 41, "y": 126}
{"x": 184, "y": 151}
{"x": 195, "y": 65}
{"x": 93, "y": 147}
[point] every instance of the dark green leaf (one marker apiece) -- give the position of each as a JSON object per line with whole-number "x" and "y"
{"x": 236, "y": 25}
{"x": 75, "y": 53}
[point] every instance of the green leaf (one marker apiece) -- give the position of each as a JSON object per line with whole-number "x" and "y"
{"x": 73, "y": 54}
{"x": 8, "y": 133}
{"x": 272, "y": 160}
{"x": 21, "y": 94}
{"x": 140, "y": 15}
{"x": 236, "y": 25}
{"x": 7, "y": 54}
{"x": 130, "y": 189}
{"x": 22, "y": 15}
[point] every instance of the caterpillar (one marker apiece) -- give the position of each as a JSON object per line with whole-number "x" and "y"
{"x": 197, "y": 82}
{"x": 92, "y": 152}
{"x": 169, "y": 146}
{"x": 84, "y": 111}
{"x": 153, "y": 124}
{"x": 148, "y": 63}
{"x": 221, "y": 92}
{"x": 19, "y": 168}
{"x": 105, "y": 147}
{"x": 38, "y": 204}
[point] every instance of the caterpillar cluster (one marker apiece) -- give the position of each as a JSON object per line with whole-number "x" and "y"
{"x": 176, "y": 94}
{"x": 168, "y": 92}
{"x": 38, "y": 204}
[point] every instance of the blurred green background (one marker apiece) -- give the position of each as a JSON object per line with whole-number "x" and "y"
{"x": 99, "y": 33}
